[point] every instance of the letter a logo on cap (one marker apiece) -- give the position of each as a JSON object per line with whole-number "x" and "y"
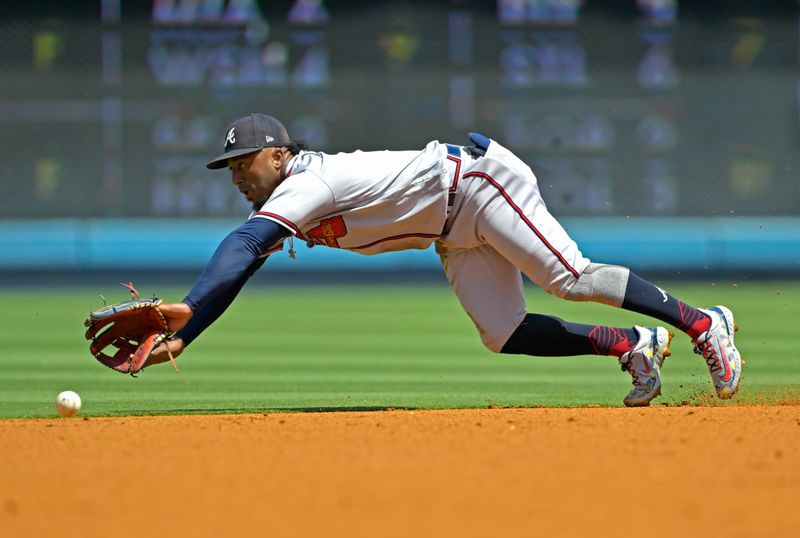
{"x": 231, "y": 138}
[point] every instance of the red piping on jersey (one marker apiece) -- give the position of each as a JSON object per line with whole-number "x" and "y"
{"x": 287, "y": 222}
{"x": 456, "y": 160}
{"x": 519, "y": 212}
{"x": 390, "y": 239}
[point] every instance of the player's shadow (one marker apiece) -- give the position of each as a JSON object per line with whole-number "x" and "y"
{"x": 250, "y": 410}
{"x": 335, "y": 409}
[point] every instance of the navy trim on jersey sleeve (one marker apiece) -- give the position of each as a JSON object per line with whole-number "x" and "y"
{"x": 234, "y": 256}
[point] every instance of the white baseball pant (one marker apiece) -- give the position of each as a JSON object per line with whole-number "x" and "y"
{"x": 499, "y": 225}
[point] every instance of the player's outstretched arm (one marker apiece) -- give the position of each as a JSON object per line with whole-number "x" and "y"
{"x": 235, "y": 255}
{"x": 234, "y": 262}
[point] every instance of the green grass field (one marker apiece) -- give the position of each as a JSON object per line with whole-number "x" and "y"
{"x": 369, "y": 347}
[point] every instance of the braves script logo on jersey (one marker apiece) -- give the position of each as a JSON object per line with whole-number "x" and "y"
{"x": 328, "y": 232}
{"x": 230, "y": 139}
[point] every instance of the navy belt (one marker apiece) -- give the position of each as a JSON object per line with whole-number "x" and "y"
{"x": 453, "y": 162}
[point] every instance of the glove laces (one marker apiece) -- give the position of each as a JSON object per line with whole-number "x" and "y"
{"x": 134, "y": 294}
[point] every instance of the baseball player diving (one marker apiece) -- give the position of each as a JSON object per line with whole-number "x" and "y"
{"x": 481, "y": 206}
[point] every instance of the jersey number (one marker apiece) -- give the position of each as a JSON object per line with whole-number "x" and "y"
{"x": 328, "y": 231}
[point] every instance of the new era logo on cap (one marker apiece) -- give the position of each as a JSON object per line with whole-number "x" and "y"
{"x": 248, "y": 134}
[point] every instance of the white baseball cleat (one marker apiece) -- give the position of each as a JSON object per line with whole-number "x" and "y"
{"x": 717, "y": 348}
{"x": 644, "y": 362}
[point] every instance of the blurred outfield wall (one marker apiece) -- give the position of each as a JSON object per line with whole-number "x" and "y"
{"x": 666, "y": 134}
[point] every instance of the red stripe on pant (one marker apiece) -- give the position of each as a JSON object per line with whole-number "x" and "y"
{"x": 530, "y": 225}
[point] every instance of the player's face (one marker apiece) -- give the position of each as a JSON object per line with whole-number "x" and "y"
{"x": 257, "y": 174}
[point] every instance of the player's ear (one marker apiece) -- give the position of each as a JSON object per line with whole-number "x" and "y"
{"x": 276, "y": 156}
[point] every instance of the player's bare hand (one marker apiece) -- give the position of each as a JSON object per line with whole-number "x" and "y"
{"x": 177, "y": 314}
{"x": 161, "y": 353}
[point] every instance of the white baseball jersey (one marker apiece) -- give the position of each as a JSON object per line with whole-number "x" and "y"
{"x": 484, "y": 212}
{"x": 367, "y": 202}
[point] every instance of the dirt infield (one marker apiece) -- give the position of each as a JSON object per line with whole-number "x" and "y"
{"x": 663, "y": 471}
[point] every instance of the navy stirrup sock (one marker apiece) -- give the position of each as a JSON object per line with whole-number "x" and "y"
{"x": 646, "y": 298}
{"x": 549, "y": 336}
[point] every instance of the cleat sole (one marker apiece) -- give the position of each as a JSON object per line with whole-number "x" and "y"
{"x": 667, "y": 352}
{"x": 644, "y": 403}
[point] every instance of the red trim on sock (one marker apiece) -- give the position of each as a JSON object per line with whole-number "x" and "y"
{"x": 621, "y": 346}
{"x": 700, "y": 326}
{"x": 611, "y": 341}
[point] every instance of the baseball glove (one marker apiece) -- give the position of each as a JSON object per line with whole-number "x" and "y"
{"x": 135, "y": 328}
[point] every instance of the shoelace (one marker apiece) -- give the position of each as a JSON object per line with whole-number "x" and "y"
{"x": 707, "y": 351}
{"x": 627, "y": 367}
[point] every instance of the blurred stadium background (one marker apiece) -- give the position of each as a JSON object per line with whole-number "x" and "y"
{"x": 664, "y": 133}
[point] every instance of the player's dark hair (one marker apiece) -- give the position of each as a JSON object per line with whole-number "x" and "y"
{"x": 296, "y": 146}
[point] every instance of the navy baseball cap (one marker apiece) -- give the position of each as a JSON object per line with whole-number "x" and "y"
{"x": 249, "y": 134}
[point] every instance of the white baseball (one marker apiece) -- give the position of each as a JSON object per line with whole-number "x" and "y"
{"x": 68, "y": 403}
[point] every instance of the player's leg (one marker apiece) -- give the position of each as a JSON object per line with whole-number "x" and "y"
{"x": 489, "y": 288}
{"x": 711, "y": 330}
{"x": 619, "y": 286}
{"x": 641, "y": 350}
{"x": 516, "y": 223}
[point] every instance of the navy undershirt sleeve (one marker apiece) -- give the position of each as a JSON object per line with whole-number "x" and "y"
{"x": 235, "y": 260}
{"x": 212, "y": 310}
